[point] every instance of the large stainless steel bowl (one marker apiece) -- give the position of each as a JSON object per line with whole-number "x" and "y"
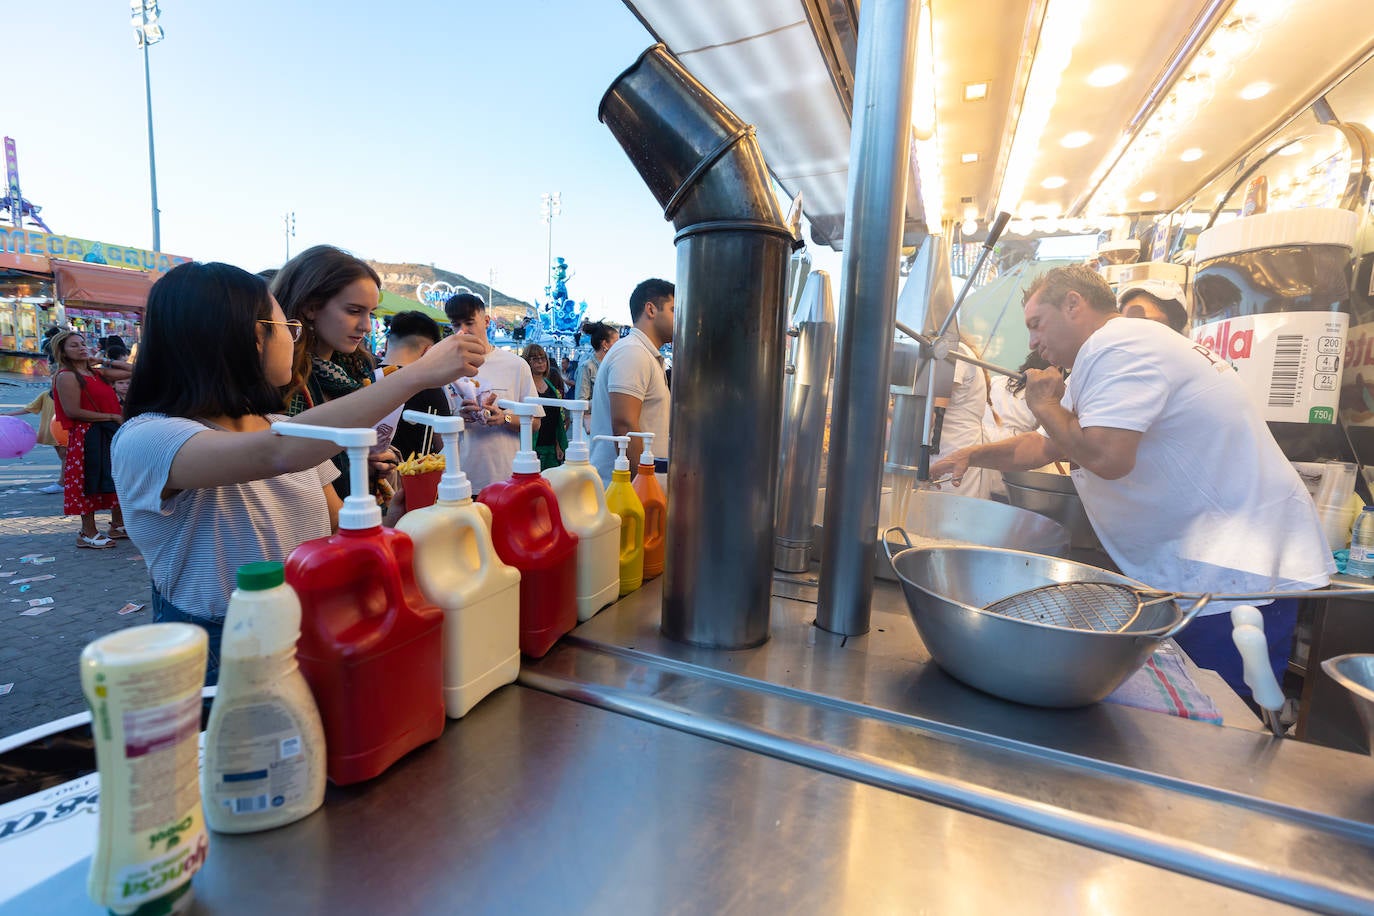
{"x": 1356, "y": 674}
{"x": 947, "y": 588}
{"x": 1053, "y": 496}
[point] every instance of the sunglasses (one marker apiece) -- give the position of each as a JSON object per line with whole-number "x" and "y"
{"x": 293, "y": 327}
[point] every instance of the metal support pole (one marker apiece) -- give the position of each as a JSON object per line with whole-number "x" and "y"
{"x": 152, "y": 162}
{"x": 879, "y": 151}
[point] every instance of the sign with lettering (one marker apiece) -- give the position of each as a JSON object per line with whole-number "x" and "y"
{"x": 42, "y": 244}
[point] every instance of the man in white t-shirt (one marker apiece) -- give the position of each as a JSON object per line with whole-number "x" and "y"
{"x": 1181, "y": 478}
{"x": 631, "y": 390}
{"x": 492, "y": 435}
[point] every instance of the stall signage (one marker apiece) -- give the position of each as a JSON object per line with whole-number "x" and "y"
{"x": 43, "y": 244}
{"x": 1290, "y": 363}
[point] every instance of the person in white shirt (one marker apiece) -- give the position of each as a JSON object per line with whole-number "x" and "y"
{"x": 492, "y": 435}
{"x": 602, "y": 337}
{"x": 631, "y": 390}
{"x": 1181, "y": 478}
{"x": 1007, "y": 415}
{"x": 962, "y": 425}
{"x": 1162, "y": 301}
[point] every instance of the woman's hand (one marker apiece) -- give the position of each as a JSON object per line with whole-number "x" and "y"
{"x": 458, "y": 356}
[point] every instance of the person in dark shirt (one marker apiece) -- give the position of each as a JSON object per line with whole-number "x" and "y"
{"x": 551, "y": 441}
{"x": 411, "y": 334}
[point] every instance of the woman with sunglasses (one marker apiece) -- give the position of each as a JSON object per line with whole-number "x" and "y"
{"x": 205, "y": 484}
{"x": 551, "y": 442}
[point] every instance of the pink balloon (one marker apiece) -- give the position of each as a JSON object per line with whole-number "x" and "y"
{"x": 17, "y": 438}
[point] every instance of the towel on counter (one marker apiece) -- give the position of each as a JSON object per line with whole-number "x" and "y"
{"x": 1163, "y": 685}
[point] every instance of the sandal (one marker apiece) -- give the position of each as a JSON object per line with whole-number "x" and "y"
{"x": 116, "y": 533}
{"x": 99, "y": 542}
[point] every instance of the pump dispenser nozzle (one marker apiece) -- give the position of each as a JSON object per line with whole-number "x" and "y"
{"x": 453, "y": 486}
{"x": 526, "y": 460}
{"x": 360, "y": 511}
{"x": 577, "y": 446}
{"x": 622, "y": 461}
{"x": 646, "y": 457}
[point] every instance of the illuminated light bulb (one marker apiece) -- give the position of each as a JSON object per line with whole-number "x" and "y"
{"x": 1192, "y": 154}
{"x": 1078, "y": 138}
{"x": 1255, "y": 91}
{"x": 969, "y": 226}
{"x": 1106, "y": 76}
{"x": 1054, "y": 181}
{"x": 970, "y": 212}
{"x": 1148, "y": 197}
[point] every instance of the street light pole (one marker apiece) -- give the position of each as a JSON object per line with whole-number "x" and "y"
{"x": 491, "y": 280}
{"x": 289, "y": 228}
{"x": 550, "y": 206}
{"x": 149, "y": 32}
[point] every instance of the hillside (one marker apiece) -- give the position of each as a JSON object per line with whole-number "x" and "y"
{"x": 403, "y": 278}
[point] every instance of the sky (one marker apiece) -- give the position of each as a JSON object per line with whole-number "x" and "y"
{"x": 414, "y": 130}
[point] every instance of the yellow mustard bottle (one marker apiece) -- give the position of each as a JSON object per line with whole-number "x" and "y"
{"x": 622, "y": 500}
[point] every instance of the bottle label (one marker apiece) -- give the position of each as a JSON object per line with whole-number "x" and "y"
{"x": 259, "y": 765}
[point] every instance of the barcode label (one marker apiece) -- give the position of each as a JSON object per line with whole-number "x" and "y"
{"x": 250, "y": 805}
{"x": 1285, "y": 379}
{"x": 290, "y": 747}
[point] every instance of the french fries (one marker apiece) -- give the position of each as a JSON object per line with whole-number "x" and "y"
{"x": 420, "y": 464}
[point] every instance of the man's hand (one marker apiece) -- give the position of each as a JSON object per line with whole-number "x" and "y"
{"x": 955, "y": 463}
{"x": 1044, "y": 387}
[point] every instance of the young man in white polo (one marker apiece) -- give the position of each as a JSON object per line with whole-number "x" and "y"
{"x": 631, "y": 390}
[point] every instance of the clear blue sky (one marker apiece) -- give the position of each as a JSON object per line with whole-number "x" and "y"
{"x": 410, "y": 131}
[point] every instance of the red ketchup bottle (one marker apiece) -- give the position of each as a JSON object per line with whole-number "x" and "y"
{"x": 371, "y": 646}
{"x": 528, "y": 532}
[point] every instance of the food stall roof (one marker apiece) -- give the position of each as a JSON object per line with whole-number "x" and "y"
{"x": 1051, "y": 109}
{"x": 98, "y": 284}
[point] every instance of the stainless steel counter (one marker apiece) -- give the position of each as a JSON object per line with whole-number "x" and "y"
{"x": 814, "y": 774}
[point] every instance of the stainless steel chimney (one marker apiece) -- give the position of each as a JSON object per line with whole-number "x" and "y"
{"x": 704, "y": 167}
{"x": 805, "y": 397}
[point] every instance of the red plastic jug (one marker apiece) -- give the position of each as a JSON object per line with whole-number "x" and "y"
{"x": 371, "y": 645}
{"x": 528, "y": 533}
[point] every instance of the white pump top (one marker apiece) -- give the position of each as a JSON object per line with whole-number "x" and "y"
{"x": 526, "y": 460}
{"x": 622, "y": 460}
{"x": 646, "y": 457}
{"x": 577, "y": 446}
{"x": 360, "y": 511}
{"x": 453, "y": 486}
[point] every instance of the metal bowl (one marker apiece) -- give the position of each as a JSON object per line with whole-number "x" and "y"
{"x": 947, "y": 588}
{"x": 1053, "y": 496}
{"x": 1356, "y": 674}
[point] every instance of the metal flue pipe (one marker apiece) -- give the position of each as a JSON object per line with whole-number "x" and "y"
{"x": 879, "y": 153}
{"x": 703, "y": 165}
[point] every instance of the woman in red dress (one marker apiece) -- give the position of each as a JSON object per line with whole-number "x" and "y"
{"x": 83, "y": 397}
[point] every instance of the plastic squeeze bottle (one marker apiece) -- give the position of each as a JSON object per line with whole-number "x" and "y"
{"x": 458, "y": 569}
{"x": 624, "y": 502}
{"x": 527, "y": 529}
{"x": 143, "y": 688}
{"x": 371, "y": 644}
{"x": 264, "y": 745}
{"x": 582, "y": 500}
{"x": 655, "y": 502}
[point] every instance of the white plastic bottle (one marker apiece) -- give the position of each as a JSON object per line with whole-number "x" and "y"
{"x": 582, "y": 501}
{"x": 264, "y": 745}
{"x": 143, "y": 687}
{"x": 457, "y": 568}
{"x": 1361, "y": 562}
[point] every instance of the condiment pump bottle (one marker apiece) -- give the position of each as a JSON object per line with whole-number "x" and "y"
{"x": 582, "y": 500}
{"x": 458, "y": 569}
{"x": 622, "y": 499}
{"x": 528, "y": 531}
{"x": 371, "y": 644}
{"x": 655, "y": 503}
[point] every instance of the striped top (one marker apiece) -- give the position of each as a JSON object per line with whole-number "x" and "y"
{"x": 195, "y": 541}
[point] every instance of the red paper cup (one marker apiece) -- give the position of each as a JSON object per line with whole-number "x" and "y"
{"x": 421, "y": 489}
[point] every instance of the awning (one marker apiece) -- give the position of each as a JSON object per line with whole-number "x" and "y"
{"x": 96, "y": 285}
{"x": 393, "y": 303}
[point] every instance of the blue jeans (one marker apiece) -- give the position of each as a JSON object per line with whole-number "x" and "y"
{"x": 165, "y": 611}
{"x": 1207, "y": 640}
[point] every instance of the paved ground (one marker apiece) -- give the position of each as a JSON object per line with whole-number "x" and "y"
{"x": 38, "y": 654}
